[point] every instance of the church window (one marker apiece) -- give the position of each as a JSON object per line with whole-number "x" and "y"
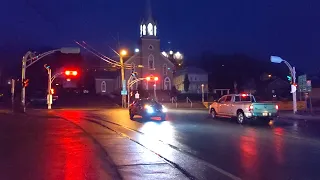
{"x": 151, "y": 61}
{"x": 103, "y": 87}
{"x": 165, "y": 69}
{"x": 150, "y": 29}
{"x": 150, "y": 47}
{"x": 144, "y": 30}
{"x": 141, "y": 30}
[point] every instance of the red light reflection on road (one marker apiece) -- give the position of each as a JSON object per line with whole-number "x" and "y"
{"x": 72, "y": 115}
{"x": 248, "y": 147}
{"x": 278, "y": 144}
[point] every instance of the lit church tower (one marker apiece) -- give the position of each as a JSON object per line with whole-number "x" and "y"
{"x": 149, "y": 56}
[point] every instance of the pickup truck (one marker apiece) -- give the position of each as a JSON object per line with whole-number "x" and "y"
{"x": 244, "y": 107}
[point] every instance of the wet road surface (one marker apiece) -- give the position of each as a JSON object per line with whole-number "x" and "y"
{"x": 203, "y": 148}
{"x": 42, "y": 147}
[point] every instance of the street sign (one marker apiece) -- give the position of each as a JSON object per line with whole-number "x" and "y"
{"x": 304, "y": 85}
{"x": 124, "y": 92}
{"x": 137, "y": 95}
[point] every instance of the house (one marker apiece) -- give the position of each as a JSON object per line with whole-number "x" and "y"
{"x": 197, "y": 78}
{"x": 106, "y": 82}
{"x": 149, "y": 57}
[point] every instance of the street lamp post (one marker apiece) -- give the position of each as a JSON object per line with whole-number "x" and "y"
{"x": 29, "y": 59}
{"x": 276, "y": 59}
{"x": 49, "y": 96}
{"x": 124, "y": 89}
{"x": 202, "y": 90}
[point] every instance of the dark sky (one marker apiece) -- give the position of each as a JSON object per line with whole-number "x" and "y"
{"x": 290, "y": 29}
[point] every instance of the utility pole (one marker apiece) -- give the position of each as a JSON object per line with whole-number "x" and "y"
{"x": 124, "y": 87}
{"x": 294, "y": 93}
{"x": 23, "y": 78}
{"x": 12, "y": 92}
{"x": 49, "y": 97}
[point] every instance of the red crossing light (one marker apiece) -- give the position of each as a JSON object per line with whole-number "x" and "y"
{"x": 71, "y": 73}
{"x": 152, "y": 78}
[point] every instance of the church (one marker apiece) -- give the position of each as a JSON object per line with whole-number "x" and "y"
{"x": 149, "y": 61}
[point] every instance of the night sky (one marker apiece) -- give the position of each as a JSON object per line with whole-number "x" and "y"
{"x": 290, "y": 29}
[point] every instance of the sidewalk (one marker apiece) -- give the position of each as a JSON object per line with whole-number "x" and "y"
{"x": 299, "y": 116}
{"x": 39, "y": 147}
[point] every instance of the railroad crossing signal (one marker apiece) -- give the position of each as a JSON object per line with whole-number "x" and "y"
{"x": 25, "y": 83}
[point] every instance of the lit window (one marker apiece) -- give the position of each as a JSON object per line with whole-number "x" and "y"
{"x": 164, "y": 54}
{"x": 151, "y": 61}
{"x": 155, "y": 30}
{"x": 150, "y": 29}
{"x": 144, "y": 29}
{"x": 165, "y": 69}
{"x": 141, "y": 30}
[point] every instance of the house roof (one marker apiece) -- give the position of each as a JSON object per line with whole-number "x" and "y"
{"x": 106, "y": 74}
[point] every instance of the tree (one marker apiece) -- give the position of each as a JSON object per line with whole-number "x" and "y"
{"x": 174, "y": 91}
{"x": 186, "y": 83}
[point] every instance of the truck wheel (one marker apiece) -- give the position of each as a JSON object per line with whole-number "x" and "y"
{"x": 241, "y": 118}
{"x": 213, "y": 114}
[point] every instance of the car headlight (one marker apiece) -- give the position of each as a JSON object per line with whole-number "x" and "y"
{"x": 149, "y": 109}
{"x": 164, "y": 109}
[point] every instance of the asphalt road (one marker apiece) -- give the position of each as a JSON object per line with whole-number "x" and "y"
{"x": 218, "y": 149}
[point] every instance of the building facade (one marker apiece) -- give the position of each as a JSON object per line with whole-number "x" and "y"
{"x": 150, "y": 60}
{"x": 197, "y": 78}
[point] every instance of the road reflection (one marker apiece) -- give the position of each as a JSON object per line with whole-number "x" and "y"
{"x": 278, "y": 144}
{"x": 248, "y": 150}
{"x": 155, "y": 131}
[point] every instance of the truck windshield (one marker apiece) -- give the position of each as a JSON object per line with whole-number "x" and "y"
{"x": 244, "y": 98}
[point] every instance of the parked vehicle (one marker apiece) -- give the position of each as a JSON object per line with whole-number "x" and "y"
{"x": 244, "y": 107}
{"x": 40, "y": 98}
{"x": 147, "y": 108}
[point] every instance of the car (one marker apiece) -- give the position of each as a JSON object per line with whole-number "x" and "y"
{"x": 40, "y": 98}
{"x": 147, "y": 108}
{"x": 244, "y": 107}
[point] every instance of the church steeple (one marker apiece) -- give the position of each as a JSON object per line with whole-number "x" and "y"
{"x": 148, "y": 27}
{"x": 149, "y": 11}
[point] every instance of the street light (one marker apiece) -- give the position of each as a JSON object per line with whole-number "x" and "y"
{"x": 124, "y": 92}
{"x": 202, "y": 90}
{"x": 123, "y": 52}
{"x": 277, "y": 59}
{"x": 30, "y": 58}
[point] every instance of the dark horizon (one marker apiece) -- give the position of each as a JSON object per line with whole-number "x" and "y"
{"x": 256, "y": 29}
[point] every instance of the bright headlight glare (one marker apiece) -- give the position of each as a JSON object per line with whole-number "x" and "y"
{"x": 149, "y": 109}
{"x": 164, "y": 109}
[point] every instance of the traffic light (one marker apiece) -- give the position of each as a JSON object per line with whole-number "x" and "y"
{"x": 289, "y": 78}
{"x": 25, "y": 83}
{"x": 152, "y": 78}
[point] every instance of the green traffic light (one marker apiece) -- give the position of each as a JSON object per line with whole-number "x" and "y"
{"x": 289, "y": 78}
